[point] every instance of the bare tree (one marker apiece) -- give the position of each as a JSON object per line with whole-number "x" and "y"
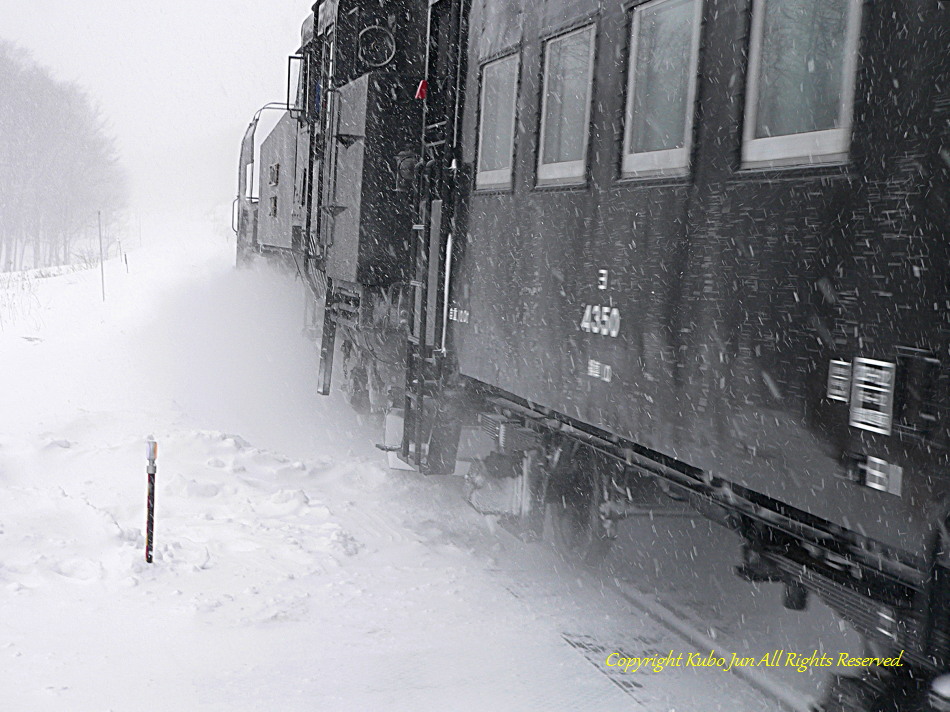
{"x": 58, "y": 165}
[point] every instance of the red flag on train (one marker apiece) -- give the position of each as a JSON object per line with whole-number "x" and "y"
{"x": 422, "y": 90}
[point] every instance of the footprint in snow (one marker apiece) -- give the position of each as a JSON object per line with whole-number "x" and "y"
{"x": 290, "y": 470}
{"x": 202, "y": 489}
{"x": 58, "y": 442}
{"x": 79, "y": 569}
{"x": 345, "y": 542}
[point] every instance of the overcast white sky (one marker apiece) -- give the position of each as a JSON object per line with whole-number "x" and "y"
{"x": 178, "y": 79}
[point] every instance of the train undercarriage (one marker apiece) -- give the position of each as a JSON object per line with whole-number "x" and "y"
{"x": 543, "y": 476}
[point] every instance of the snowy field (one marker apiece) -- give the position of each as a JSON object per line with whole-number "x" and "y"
{"x": 293, "y": 570}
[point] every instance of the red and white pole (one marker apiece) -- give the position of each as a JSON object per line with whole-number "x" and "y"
{"x": 151, "y": 452}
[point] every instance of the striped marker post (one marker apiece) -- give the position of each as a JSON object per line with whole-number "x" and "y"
{"x": 151, "y": 452}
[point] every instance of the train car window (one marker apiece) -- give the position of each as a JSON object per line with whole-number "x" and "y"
{"x": 565, "y": 107}
{"x": 497, "y": 122}
{"x": 664, "y": 46}
{"x": 802, "y": 65}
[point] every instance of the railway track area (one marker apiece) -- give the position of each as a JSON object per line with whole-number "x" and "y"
{"x": 616, "y": 614}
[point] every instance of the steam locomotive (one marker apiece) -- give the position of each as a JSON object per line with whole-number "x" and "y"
{"x": 608, "y": 255}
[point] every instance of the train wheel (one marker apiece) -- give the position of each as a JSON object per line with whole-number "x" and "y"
{"x": 578, "y": 530}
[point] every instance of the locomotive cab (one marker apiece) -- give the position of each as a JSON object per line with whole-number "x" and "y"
{"x": 270, "y": 210}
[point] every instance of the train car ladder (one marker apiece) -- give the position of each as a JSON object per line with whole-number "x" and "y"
{"x": 430, "y": 438}
{"x": 424, "y": 357}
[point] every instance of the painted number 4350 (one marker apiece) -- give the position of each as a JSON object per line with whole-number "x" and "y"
{"x": 602, "y": 320}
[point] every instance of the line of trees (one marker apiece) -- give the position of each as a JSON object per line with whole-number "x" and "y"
{"x": 58, "y": 167}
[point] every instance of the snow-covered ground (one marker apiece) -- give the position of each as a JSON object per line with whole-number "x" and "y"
{"x": 293, "y": 570}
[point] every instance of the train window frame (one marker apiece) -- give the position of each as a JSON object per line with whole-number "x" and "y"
{"x": 661, "y": 162}
{"x": 502, "y": 178}
{"x": 566, "y": 172}
{"x": 810, "y": 147}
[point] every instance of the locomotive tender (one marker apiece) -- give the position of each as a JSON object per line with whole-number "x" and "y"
{"x": 635, "y": 250}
